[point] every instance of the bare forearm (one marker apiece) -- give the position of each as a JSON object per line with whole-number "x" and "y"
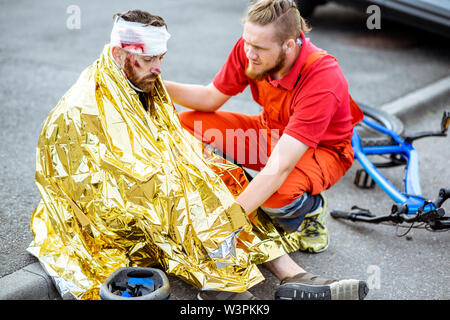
{"x": 266, "y": 183}
{"x": 281, "y": 162}
{"x": 193, "y": 96}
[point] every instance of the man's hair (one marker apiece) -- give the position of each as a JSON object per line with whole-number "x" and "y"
{"x": 143, "y": 17}
{"x": 284, "y": 13}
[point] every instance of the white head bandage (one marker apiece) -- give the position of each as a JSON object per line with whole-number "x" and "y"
{"x": 139, "y": 38}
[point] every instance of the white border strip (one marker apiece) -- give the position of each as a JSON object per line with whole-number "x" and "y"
{"x": 418, "y": 97}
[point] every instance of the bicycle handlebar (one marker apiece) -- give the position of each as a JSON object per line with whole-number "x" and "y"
{"x": 444, "y": 194}
{"x": 401, "y": 210}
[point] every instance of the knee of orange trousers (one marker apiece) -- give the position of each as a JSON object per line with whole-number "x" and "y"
{"x": 293, "y": 187}
{"x": 280, "y": 200}
{"x": 204, "y": 126}
{"x": 187, "y": 122}
{"x": 212, "y": 128}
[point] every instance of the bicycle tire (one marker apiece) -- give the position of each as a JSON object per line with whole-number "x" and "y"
{"x": 372, "y": 137}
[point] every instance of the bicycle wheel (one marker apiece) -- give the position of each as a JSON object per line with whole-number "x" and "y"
{"x": 372, "y": 137}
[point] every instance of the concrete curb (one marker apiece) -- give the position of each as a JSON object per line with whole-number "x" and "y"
{"x": 33, "y": 283}
{"x": 28, "y": 283}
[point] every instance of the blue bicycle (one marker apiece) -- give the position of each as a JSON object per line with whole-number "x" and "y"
{"x": 381, "y": 134}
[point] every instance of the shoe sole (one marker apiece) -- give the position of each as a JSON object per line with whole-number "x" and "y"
{"x": 340, "y": 290}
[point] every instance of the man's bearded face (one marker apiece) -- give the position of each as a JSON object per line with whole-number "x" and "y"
{"x": 142, "y": 71}
{"x": 261, "y": 71}
{"x": 265, "y": 54}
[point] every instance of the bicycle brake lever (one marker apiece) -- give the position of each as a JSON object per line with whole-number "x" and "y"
{"x": 430, "y": 216}
{"x": 444, "y": 194}
{"x": 357, "y": 211}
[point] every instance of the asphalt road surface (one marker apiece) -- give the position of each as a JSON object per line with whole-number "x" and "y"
{"x": 41, "y": 56}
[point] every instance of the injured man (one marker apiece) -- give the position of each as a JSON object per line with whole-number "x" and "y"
{"x": 123, "y": 184}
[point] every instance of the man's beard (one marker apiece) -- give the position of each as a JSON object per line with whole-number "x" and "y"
{"x": 141, "y": 83}
{"x": 258, "y": 76}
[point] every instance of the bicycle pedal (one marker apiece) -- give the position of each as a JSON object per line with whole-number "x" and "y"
{"x": 363, "y": 180}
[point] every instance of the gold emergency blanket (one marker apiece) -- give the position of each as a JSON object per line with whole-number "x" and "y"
{"x": 121, "y": 186}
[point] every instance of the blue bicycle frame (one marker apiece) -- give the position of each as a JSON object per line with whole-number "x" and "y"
{"x": 412, "y": 196}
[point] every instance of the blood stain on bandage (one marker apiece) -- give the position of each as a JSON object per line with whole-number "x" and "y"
{"x": 134, "y": 42}
{"x": 134, "y": 47}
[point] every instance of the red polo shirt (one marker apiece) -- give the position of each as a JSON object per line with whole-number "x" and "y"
{"x": 312, "y": 107}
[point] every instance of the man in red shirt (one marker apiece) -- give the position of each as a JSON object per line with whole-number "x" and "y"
{"x": 299, "y": 143}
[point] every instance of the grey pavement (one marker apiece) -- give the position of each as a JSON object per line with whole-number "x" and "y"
{"x": 40, "y": 58}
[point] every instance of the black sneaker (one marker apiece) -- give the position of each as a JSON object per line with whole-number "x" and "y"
{"x": 306, "y": 286}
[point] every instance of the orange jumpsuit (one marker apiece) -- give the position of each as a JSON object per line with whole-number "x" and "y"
{"x": 249, "y": 139}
